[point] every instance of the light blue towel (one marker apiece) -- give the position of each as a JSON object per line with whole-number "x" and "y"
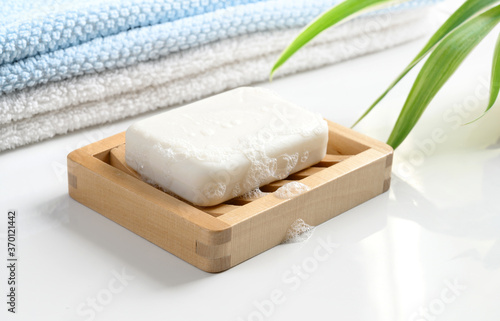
{"x": 42, "y": 41}
{"x": 30, "y": 27}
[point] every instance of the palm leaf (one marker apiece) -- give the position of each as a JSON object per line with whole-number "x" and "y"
{"x": 441, "y": 64}
{"x": 469, "y": 9}
{"x": 340, "y": 12}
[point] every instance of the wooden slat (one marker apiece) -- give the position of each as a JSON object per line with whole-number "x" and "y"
{"x": 330, "y": 160}
{"x": 305, "y": 173}
{"x": 218, "y": 210}
{"x": 241, "y": 200}
{"x": 271, "y": 187}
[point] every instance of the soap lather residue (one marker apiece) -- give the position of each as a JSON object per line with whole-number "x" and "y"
{"x": 290, "y": 190}
{"x": 254, "y": 194}
{"x": 299, "y": 231}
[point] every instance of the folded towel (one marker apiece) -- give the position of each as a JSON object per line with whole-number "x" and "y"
{"x": 93, "y": 42}
{"x": 41, "y": 112}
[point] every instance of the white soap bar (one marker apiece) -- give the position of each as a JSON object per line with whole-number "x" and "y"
{"x": 221, "y": 147}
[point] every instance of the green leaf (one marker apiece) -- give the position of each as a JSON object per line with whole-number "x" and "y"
{"x": 495, "y": 80}
{"x": 495, "y": 76}
{"x": 469, "y": 9}
{"x": 442, "y": 63}
{"x": 340, "y": 12}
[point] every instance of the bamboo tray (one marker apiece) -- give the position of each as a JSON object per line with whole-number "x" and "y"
{"x": 356, "y": 169}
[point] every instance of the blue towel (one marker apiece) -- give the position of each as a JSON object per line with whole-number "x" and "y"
{"x": 42, "y": 41}
{"x": 30, "y": 27}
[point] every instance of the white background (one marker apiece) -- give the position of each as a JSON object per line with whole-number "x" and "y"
{"x": 429, "y": 249}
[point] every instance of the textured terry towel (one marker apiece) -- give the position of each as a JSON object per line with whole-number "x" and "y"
{"x": 41, "y": 112}
{"x": 92, "y": 41}
{"x": 31, "y": 27}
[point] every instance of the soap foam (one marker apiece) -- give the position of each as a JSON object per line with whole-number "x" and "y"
{"x": 299, "y": 231}
{"x": 214, "y": 190}
{"x": 305, "y": 156}
{"x": 254, "y": 194}
{"x": 291, "y": 190}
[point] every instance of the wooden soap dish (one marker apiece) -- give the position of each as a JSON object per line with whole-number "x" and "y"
{"x": 356, "y": 169}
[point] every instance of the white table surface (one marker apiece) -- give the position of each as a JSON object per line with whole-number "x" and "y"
{"x": 428, "y": 249}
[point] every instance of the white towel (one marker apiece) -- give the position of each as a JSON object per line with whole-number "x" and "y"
{"x": 42, "y": 112}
